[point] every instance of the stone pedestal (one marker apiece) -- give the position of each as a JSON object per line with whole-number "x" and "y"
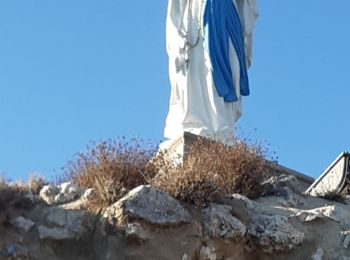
{"x": 177, "y": 150}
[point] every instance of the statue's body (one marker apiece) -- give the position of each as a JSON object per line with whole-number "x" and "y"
{"x": 207, "y": 65}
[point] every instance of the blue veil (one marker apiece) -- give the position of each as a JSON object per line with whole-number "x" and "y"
{"x": 221, "y": 23}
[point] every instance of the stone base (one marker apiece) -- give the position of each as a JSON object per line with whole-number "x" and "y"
{"x": 178, "y": 148}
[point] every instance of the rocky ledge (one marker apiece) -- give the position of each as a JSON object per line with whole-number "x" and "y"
{"x": 150, "y": 224}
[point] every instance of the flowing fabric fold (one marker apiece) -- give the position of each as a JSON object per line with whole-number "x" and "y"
{"x": 222, "y": 24}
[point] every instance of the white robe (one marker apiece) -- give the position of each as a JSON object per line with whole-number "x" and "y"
{"x": 195, "y": 106}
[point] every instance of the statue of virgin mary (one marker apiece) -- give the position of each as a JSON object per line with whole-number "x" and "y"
{"x": 209, "y": 44}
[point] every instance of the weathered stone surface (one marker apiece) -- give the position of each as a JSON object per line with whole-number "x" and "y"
{"x": 13, "y": 250}
{"x": 63, "y": 193}
{"x": 249, "y": 204}
{"x": 73, "y": 225}
{"x": 343, "y": 258}
{"x": 207, "y": 253}
{"x": 346, "y": 242}
{"x": 48, "y": 193}
{"x": 80, "y": 222}
{"x": 277, "y": 182}
{"x": 22, "y": 223}
{"x": 57, "y": 216}
{"x": 274, "y": 233}
{"x": 55, "y": 233}
{"x": 69, "y": 192}
{"x": 148, "y": 204}
{"x": 136, "y": 232}
{"x": 318, "y": 255}
{"x": 219, "y": 222}
{"x": 184, "y": 257}
{"x": 332, "y": 212}
{"x": 286, "y": 188}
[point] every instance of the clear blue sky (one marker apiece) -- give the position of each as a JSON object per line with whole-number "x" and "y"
{"x": 75, "y": 71}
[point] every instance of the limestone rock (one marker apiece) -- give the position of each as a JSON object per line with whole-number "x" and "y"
{"x": 207, "y": 253}
{"x": 286, "y": 188}
{"x": 22, "y": 223}
{"x": 184, "y": 257}
{"x": 318, "y": 254}
{"x": 63, "y": 193}
{"x": 346, "y": 242}
{"x": 80, "y": 222}
{"x": 55, "y": 233}
{"x": 277, "y": 182}
{"x": 343, "y": 258}
{"x": 71, "y": 225}
{"x": 48, "y": 193}
{"x": 274, "y": 233}
{"x": 13, "y": 250}
{"x": 136, "y": 232}
{"x": 57, "y": 216}
{"x": 69, "y": 192}
{"x": 333, "y": 212}
{"x": 219, "y": 222}
{"x": 148, "y": 204}
{"x": 249, "y": 204}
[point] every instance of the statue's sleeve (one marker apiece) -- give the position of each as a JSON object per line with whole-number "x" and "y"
{"x": 174, "y": 26}
{"x": 248, "y": 13}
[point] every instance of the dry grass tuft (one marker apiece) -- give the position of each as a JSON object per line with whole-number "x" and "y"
{"x": 112, "y": 167}
{"x": 12, "y": 194}
{"x": 35, "y": 183}
{"x": 210, "y": 168}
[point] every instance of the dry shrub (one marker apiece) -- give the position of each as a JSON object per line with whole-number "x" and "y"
{"x": 36, "y": 183}
{"x": 210, "y": 167}
{"x": 112, "y": 167}
{"x": 13, "y": 193}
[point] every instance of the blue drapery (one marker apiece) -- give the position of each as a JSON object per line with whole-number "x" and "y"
{"x": 221, "y": 23}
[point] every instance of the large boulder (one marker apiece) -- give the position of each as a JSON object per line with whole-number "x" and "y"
{"x": 148, "y": 204}
{"x": 219, "y": 223}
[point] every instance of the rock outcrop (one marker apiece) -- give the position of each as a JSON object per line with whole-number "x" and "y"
{"x": 147, "y": 204}
{"x": 150, "y": 224}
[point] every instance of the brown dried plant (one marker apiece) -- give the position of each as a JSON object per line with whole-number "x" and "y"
{"x": 35, "y": 183}
{"x": 211, "y": 167}
{"x": 13, "y": 193}
{"x": 112, "y": 167}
